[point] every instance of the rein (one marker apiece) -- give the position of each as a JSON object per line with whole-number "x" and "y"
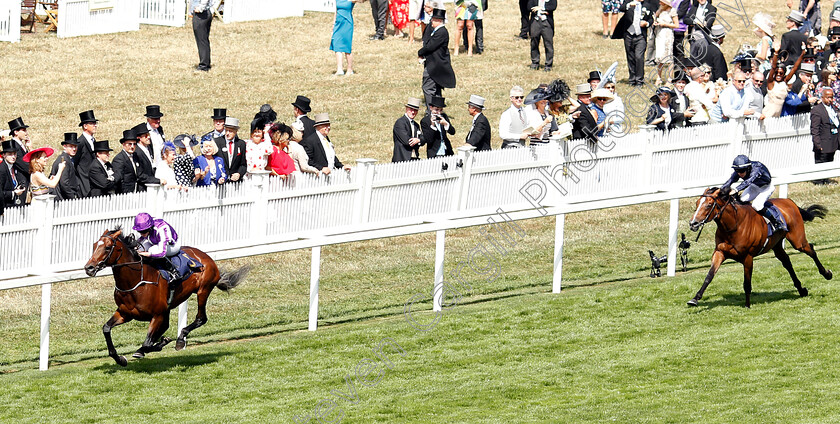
{"x": 706, "y": 220}
{"x": 102, "y": 264}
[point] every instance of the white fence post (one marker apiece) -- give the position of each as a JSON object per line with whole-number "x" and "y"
{"x": 559, "y": 228}
{"x": 673, "y": 229}
{"x": 647, "y": 154}
{"x": 738, "y": 139}
{"x": 314, "y": 280}
{"x": 10, "y": 20}
{"x": 462, "y": 188}
{"x": 42, "y": 212}
{"x": 437, "y": 293}
{"x": 259, "y": 209}
{"x": 361, "y": 203}
{"x": 783, "y": 191}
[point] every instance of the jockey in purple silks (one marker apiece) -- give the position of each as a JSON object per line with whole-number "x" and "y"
{"x": 159, "y": 242}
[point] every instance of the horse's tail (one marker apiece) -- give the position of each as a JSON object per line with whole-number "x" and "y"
{"x": 813, "y": 211}
{"x": 233, "y": 278}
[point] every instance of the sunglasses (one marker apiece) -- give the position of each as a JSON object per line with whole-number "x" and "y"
{"x": 517, "y": 97}
{"x": 758, "y": 81}
{"x": 740, "y": 80}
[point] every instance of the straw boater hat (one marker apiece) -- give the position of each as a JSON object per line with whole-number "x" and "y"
{"x": 603, "y": 93}
{"x": 796, "y": 16}
{"x": 476, "y": 101}
{"x": 47, "y": 150}
{"x": 413, "y": 102}
{"x": 322, "y": 119}
{"x": 583, "y": 89}
{"x": 764, "y": 22}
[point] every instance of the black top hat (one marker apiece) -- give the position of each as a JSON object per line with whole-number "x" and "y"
{"x": 302, "y": 103}
{"x": 70, "y": 138}
{"x": 101, "y": 146}
{"x": 438, "y": 102}
{"x": 153, "y": 111}
{"x": 680, "y": 76}
{"x": 17, "y": 124}
{"x": 594, "y": 75}
{"x": 219, "y": 113}
{"x": 128, "y": 135}
{"x": 140, "y": 129}
{"x": 9, "y": 146}
{"x": 439, "y": 14}
{"x": 86, "y": 117}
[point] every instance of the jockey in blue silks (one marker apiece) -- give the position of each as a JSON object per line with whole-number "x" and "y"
{"x": 158, "y": 240}
{"x": 757, "y": 188}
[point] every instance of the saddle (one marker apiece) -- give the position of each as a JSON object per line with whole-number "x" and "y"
{"x": 185, "y": 264}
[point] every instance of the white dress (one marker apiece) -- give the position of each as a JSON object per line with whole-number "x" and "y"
{"x": 665, "y": 37}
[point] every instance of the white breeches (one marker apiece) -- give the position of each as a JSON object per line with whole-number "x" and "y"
{"x": 755, "y": 195}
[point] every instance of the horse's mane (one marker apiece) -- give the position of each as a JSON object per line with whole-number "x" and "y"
{"x": 129, "y": 241}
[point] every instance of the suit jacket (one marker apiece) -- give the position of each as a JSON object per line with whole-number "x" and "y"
{"x": 585, "y": 126}
{"x": 550, "y": 7}
{"x": 68, "y": 185}
{"x": 824, "y": 134}
{"x": 432, "y": 138}
{"x": 124, "y": 172}
{"x": 792, "y": 43}
{"x": 479, "y": 135}
{"x": 308, "y": 126}
{"x": 82, "y": 160}
{"x": 714, "y": 58}
{"x": 626, "y": 21}
{"x": 2, "y": 205}
{"x": 436, "y": 51}
{"x": 682, "y": 11}
{"x": 145, "y": 172}
{"x": 655, "y": 112}
{"x": 20, "y": 165}
{"x": 405, "y": 129}
{"x": 691, "y": 17}
{"x": 100, "y": 185}
{"x": 8, "y": 186}
{"x": 239, "y": 164}
{"x": 317, "y": 155}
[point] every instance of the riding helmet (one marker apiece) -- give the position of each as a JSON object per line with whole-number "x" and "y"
{"x": 741, "y": 162}
{"x": 142, "y": 222}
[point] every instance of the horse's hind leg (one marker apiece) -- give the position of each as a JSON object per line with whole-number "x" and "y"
{"x": 748, "y": 268}
{"x": 800, "y": 243}
{"x": 783, "y": 257}
{"x": 157, "y": 327}
{"x": 717, "y": 259}
{"x": 200, "y": 318}
{"x": 115, "y": 320}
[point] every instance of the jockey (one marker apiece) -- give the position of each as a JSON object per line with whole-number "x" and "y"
{"x": 757, "y": 188}
{"x": 158, "y": 240}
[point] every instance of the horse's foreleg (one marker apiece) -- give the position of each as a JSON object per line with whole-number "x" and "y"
{"x": 717, "y": 259}
{"x": 157, "y": 327}
{"x": 785, "y": 260}
{"x": 200, "y": 319}
{"x": 748, "y": 268}
{"x": 115, "y": 320}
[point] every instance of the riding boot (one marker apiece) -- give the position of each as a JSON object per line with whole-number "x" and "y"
{"x": 776, "y": 219}
{"x": 174, "y": 278}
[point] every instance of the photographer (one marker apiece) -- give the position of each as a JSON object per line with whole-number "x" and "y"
{"x": 434, "y": 128}
{"x": 801, "y": 96}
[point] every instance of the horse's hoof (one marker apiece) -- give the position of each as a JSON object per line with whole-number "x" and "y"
{"x": 803, "y": 292}
{"x": 828, "y": 275}
{"x": 165, "y": 341}
{"x": 181, "y": 344}
{"x": 121, "y": 361}
{"x": 139, "y": 355}
{"x": 692, "y": 302}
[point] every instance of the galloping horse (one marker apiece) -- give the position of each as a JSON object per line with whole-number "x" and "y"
{"x": 742, "y": 235}
{"x": 141, "y": 292}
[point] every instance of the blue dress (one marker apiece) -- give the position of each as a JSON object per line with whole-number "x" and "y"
{"x": 342, "y": 37}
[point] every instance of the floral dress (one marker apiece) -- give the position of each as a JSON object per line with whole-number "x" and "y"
{"x": 257, "y": 155}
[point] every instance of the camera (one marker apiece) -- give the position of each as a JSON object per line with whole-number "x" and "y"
{"x": 656, "y": 264}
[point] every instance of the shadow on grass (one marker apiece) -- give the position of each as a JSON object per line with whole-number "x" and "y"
{"x": 757, "y": 298}
{"x": 153, "y": 365}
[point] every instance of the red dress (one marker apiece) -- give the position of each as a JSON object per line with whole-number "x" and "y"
{"x": 399, "y": 13}
{"x": 280, "y": 162}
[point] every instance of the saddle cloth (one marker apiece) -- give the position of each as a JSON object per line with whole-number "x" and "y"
{"x": 185, "y": 264}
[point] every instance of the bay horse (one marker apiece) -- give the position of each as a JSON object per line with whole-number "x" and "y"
{"x": 141, "y": 292}
{"x": 742, "y": 235}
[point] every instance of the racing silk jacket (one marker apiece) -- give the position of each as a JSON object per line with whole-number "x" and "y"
{"x": 759, "y": 175}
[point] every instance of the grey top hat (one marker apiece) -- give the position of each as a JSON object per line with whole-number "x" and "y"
{"x": 835, "y": 15}
{"x": 413, "y": 102}
{"x": 718, "y": 31}
{"x": 807, "y": 67}
{"x": 232, "y": 122}
{"x": 476, "y": 101}
{"x": 322, "y": 119}
{"x": 796, "y": 16}
{"x": 584, "y": 88}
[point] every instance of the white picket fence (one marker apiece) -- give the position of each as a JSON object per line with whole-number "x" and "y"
{"x": 10, "y": 20}
{"x": 76, "y": 18}
{"x": 49, "y": 242}
{"x": 163, "y": 12}
{"x": 257, "y": 10}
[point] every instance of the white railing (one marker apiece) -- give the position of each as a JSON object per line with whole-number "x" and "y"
{"x": 10, "y": 20}
{"x": 51, "y": 241}
{"x": 77, "y": 19}
{"x": 257, "y": 10}
{"x": 163, "y": 12}
{"x": 319, "y": 5}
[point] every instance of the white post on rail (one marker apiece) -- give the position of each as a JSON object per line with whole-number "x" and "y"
{"x": 559, "y": 228}
{"x": 42, "y": 211}
{"x": 314, "y": 280}
{"x": 783, "y": 191}
{"x": 361, "y": 203}
{"x": 673, "y": 229}
{"x": 437, "y": 293}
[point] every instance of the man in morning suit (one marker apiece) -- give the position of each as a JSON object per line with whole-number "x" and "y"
{"x": 232, "y": 150}
{"x": 144, "y": 157}
{"x": 407, "y": 133}
{"x": 437, "y": 67}
{"x": 320, "y": 149}
{"x": 303, "y": 123}
{"x": 542, "y": 26}
{"x": 218, "y": 117}
{"x": 13, "y": 182}
{"x": 479, "y": 134}
{"x": 714, "y": 57}
{"x": 202, "y": 18}
{"x": 125, "y": 165}
{"x": 84, "y": 155}
{"x": 153, "y": 115}
{"x": 633, "y": 28}
{"x": 699, "y": 21}
{"x": 20, "y": 139}
{"x": 793, "y": 39}
{"x": 435, "y": 126}
{"x": 68, "y": 185}
{"x": 584, "y": 125}
{"x": 825, "y": 128}
{"x": 102, "y": 179}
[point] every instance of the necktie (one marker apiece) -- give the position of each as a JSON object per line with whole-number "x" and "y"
{"x": 230, "y": 151}
{"x": 14, "y": 181}
{"x": 521, "y": 116}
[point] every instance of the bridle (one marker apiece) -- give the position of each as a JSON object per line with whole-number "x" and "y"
{"x": 716, "y": 206}
{"x": 110, "y": 249}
